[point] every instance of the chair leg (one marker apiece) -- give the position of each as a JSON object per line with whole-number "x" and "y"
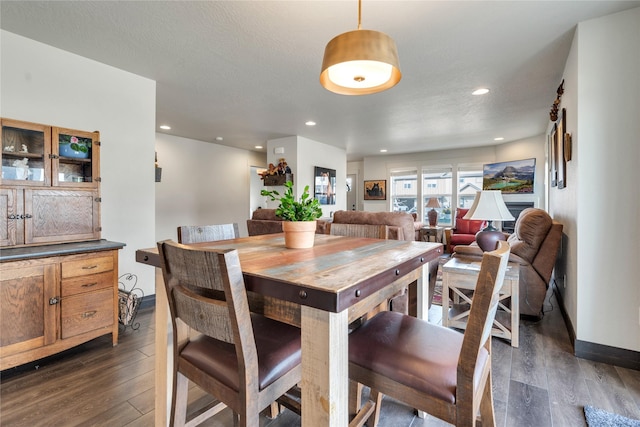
{"x": 376, "y": 396}
{"x": 355, "y": 397}
{"x": 486, "y": 405}
{"x": 273, "y": 410}
{"x": 180, "y": 400}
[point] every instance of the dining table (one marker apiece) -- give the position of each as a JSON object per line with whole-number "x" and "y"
{"x": 320, "y": 289}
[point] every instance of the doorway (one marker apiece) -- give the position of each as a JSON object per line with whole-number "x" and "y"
{"x": 352, "y": 193}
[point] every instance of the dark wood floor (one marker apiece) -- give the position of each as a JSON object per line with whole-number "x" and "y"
{"x": 539, "y": 384}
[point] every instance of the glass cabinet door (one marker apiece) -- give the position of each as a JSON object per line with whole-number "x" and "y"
{"x": 25, "y": 153}
{"x": 77, "y": 155}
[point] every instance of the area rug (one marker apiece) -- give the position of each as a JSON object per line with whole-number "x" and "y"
{"x": 600, "y": 418}
{"x": 437, "y": 294}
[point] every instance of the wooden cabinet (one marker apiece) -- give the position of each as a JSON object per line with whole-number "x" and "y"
{"x": 53, "y": 303}
{"x": 49, "y": 189}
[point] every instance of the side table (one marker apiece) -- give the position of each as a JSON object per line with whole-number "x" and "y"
{"x": 459, "y": 275}
{"x": 431, "y": 234}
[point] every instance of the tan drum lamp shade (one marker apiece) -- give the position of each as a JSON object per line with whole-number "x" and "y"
{"x": 432, "y": 215}
{"x": 489, "y": 206}
{"x": 360, "y": 62}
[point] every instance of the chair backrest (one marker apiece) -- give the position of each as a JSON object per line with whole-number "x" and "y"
{"x": 401, "y": 224}
{"x": 206, "y": 291}
{"x": 207, "y": 233}
{"x": 483, "y": 311}
{"x": 360, "y": 230}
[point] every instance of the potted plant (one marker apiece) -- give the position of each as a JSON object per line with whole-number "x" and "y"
{"x": 299, "y": 216}
{"x": 72, "y": 146}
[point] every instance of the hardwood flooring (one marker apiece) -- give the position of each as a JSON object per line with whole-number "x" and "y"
{"x": 539, "y": 384}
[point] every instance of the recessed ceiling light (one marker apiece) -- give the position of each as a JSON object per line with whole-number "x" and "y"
{"x": 498, "y": 139}
{"x": 219, "y": 138}
{"x": 165, "y": 127}
{"x": 259, "y": 147}
{"x": 481, "y": 91}
{"x": 384, "y": 150}
{"x": 310, "y": 123}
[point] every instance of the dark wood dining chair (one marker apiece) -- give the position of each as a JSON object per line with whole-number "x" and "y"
{"x": 430, "y": 367}
{"x": 207, "y": 233}
{"x": 244, "y": 360}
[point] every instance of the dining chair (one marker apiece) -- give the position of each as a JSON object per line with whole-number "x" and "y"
{"x": 207, "y": 233}
{"x": 429, "y": 367}
{"x": 244, "y": 360}
{"x": 360, "y": 230}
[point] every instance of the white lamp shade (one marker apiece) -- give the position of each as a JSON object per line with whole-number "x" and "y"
{"x": 489, "y": 205}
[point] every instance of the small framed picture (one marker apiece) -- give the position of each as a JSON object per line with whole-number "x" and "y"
{"x": 375, "y": 190}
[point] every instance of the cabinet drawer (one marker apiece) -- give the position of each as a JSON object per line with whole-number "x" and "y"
{"x": 86, "y": 266}
{"x": 86, "y": 312}
{"x": 82, "y": 284}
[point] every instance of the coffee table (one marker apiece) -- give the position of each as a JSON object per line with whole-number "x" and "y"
{"x": 459, "y": 275}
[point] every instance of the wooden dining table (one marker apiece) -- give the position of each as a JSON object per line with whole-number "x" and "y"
{"x": 321, "y": 289}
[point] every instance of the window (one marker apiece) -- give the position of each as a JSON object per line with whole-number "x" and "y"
{"x": 469, "y": 182}
{"x": 437, "y": 182}
{"x": 404, "y": 193}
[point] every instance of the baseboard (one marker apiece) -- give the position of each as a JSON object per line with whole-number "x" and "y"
{"x": 606, "y": 354}
{"x": 598, "y": 352}
{"x": 565, "y": 316}
{"x": 148, "y": 301}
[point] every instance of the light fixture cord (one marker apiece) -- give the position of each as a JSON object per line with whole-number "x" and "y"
{"x": 359, "y": 13}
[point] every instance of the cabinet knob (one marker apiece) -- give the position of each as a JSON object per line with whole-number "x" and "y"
{"x": 12, "y": 216}
{"x": 54, "y": 300}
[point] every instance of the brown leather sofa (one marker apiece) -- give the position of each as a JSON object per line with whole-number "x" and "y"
{"x": 265, "y": 221}
{"x": 400, "y": 223}
{"x": 401, "y": 227}
{"x": 534, "y": 245}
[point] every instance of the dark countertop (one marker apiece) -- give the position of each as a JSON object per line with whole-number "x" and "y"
{"x": 41, "y": 251}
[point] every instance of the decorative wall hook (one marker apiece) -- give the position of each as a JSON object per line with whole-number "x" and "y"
{"x": 553, "y": 114}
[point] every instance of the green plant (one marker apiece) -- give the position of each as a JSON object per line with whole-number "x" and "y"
{"x": 306, "y": 209}
{"x": 77, "y": 144}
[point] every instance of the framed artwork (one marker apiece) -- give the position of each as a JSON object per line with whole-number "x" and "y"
{"x": 553, "y": 156}
{"x": 516, "y": 176}
{"x": 561, "y": 160}
{"x": 325, "y": 185}
{"x": 375, "y": 190}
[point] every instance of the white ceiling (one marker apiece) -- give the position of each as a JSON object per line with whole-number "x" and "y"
{"x": 248, "y": 71}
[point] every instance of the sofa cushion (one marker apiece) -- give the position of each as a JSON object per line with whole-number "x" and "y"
{"x": 531, "y": 229}
{"x": 268, "y": 214}
{"x": 466, "y": 226}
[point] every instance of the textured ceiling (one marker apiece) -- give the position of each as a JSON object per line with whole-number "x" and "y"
{"x": 248, "y": 71}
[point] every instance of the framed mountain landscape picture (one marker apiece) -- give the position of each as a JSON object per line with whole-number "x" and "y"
{"x": 510, "y": 177}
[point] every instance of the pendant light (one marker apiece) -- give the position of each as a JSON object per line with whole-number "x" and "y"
{"x": 360, "y": 62}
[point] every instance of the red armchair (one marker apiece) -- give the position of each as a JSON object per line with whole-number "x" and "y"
{"x": 463, "y": 231}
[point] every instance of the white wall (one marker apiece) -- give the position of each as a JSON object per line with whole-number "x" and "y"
{"x": 302, "y": 155}
{"x": 47, "y": 85}
{"x": 603, "y": 97}
{"x": 202, "y": 183}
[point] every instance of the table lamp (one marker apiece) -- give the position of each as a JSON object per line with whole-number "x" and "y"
{"x": 489, "y": 206}
{"x": 432, "y": 215}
